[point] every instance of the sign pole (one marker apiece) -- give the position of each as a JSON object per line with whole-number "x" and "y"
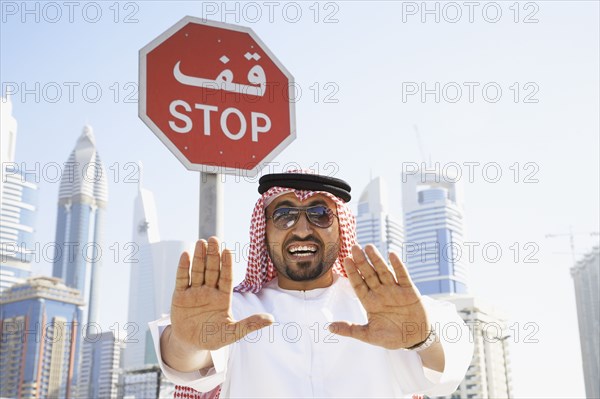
{"x": 211, "y": 205}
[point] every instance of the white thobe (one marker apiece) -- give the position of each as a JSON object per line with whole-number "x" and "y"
{"x": 298, "y": 357}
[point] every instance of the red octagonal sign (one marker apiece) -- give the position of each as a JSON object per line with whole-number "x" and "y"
{"x": 216, "y": 96}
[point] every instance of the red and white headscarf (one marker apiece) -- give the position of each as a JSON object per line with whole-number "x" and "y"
{"x": 260, "y": 268}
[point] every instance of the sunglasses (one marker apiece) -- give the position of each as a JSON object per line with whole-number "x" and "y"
{"x": 318, "y": 215}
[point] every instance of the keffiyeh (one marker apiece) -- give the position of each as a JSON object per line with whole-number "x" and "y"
{"x": 260, "y": 268}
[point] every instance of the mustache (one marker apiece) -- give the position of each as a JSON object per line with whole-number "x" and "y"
{"x": 311, "y": 238}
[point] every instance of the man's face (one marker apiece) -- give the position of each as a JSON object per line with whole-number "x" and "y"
{"x": 302, "y": 252}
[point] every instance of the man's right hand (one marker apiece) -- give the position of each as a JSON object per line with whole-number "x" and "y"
{"x": 201, "y": 317}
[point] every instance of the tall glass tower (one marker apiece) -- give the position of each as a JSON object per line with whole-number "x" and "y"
{"x": 374, "y": 225}
{"x": 99, "y": 366}
{"x": 586, "y": 275}
{"x": 18, "y": 197}
{"x": 82, "y": 200}
{"x": 151, "y": 284}
{"x": 433, "y": 222}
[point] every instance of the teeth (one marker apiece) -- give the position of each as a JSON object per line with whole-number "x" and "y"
{"x": 303, "y": 248}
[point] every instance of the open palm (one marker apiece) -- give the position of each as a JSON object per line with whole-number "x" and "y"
{"x": 396, "y": 316}
{"x": 201, "y": 305}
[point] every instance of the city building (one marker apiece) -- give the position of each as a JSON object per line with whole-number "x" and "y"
{"x": 489, "y": 375}
{"x": 433, "y": 227}
{"x": 145, "y": 382}
{"x": 41, "y": 337}
{"x": 82, "y": 200}
{"x": 151, "y": 282}
{"x": 100, "y": 360}
{"x": 18, "y": 197}
{"x": 374, "y": 224}
{"x": 586, "y": 276}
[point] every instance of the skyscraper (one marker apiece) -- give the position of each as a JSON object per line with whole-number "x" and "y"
{"x": 433, "y": 222}
{"x": 41, "y": 336}
{"x": 490, "y": 374}
{"x": 374, "y": 225}
{"x": 82, "y": 200}
{"x": 151, "y": 282}
{"x": 145, "y": 382}
{"x": 18, "y": 195}
{"x": 585, "y": 277}
{"x": 99, "y": 375}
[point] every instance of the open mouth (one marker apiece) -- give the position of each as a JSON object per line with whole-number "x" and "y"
{"x": 302, "y": 251}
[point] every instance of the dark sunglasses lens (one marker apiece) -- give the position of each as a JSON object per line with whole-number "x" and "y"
{"x": 284, "y": 218}
{"x": 320, "y": 216}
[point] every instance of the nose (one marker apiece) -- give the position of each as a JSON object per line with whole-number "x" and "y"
{"x": 303, "y": 227}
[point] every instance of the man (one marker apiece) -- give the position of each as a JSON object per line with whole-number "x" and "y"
{"x": 318, "y": 317}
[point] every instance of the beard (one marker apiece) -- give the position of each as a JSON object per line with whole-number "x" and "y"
{"x": 305, "y": 272}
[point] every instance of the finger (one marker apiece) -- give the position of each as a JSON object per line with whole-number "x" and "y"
{"x": 356, "y": 280}
{"x": 199, "y": 263}
{"x": 248, "y": 326}
{"x": 363, "y": 266}
{"x": 383, "y": 272}
{"x": 402, "y": 275}
{"x": 226, "y": 275}
{"x": 213, "y": 263}
{"x": 182, "y": 277}
{"x": 351, "y": 330}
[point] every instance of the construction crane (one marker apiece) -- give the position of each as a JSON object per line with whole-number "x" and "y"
{"x": 416, "y": 128}
{"x": 571, "y": 236}
{"x": 420, "y": 143}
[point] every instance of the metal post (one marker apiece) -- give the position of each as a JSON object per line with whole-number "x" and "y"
{"x": 211, "y": 205}
{"x": 158, "y": 382}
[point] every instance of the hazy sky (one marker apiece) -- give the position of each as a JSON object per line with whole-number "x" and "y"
{"x": 532, "y": 115}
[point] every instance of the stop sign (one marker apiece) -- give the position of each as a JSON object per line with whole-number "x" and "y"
{"x": 216, "y": 96}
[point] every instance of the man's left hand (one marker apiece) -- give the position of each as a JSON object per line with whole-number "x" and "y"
{"x": 396, "y": 316}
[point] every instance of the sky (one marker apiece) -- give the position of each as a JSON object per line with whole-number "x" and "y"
{"x": 493, "y": 87}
